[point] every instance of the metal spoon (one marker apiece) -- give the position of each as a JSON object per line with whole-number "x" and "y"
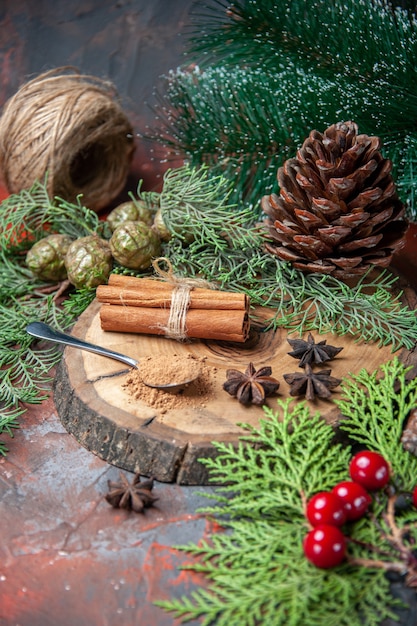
{"x": 43, "y": 331}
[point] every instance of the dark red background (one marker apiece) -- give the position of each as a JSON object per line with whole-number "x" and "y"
{"x": 66, "y": 557}
{"x": 130, "y": 42}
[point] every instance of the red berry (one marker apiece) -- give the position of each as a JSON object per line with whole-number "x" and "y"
{"x": 369, "y": 469}
{"x": 355, "y": 499}
{"x": 415, "y": 497}
{"x": 325, "y": 546}
{"x": 326, "y": 508}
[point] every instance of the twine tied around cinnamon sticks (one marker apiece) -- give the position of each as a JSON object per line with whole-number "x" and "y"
{"x": 176, "y": 327}
{"x": 179, "y": 308}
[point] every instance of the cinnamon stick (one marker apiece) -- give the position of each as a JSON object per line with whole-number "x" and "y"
{"x": 147, "y": 292}
{"x": 223, "y": 325}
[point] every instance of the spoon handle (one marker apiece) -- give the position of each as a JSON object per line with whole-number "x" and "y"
{"x": 43, "y": 331}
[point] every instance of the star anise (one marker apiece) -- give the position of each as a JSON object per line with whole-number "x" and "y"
{"x": 133, "y": 496}
{"x": 311, "y": 352}
{"x": 252, "y": 386}
{"x": 310, "y": 384}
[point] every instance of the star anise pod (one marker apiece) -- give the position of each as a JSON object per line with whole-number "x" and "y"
{"x": 252, "y": 386}
{"x": 311, "y": 384}
{"x": 133, "y": 496}
{"x": 311, "y": 352}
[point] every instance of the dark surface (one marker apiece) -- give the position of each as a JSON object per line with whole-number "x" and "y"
{"x": 132, "y": 43}
{"x": 66, "y": 557}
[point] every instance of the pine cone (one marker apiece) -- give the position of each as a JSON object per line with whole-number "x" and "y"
{"x": 338, "y": 211}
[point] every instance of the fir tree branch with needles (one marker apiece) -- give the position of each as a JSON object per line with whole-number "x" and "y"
{"x": 25, "y": 368}
{"x": 308, "y": 33}
{"x": 30, "y": 215}
{"x": 262, "y": 75}
{"x": 262, "y": 487}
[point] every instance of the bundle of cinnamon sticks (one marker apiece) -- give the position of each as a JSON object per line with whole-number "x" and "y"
{"x": 142, "y": 305}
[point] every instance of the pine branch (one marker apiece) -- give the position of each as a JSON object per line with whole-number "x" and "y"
{"x": 30, "y": 215}
{"x": 332, "y": 306}
{"x": 8, "y": 422}
{"x": 75, "y": 304}
{"x": 212, "y": 118}
{"x": 265, "y": 74}
{"x": 291, "y": 452}
{"x": 194, "y": 201}
{"x": 375, "y": 406}
{"x": 271, "y": 465}
{"x": 24, "y": 368}
{"x": 309, "y": 33}
{"x": 279, "y": 593}
{"x": 404, "y": 157}
{"x": 25, "y": 376}
{"x": 24, "y": 372}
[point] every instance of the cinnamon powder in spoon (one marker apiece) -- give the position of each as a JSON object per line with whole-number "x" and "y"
{"x": 164, "y": 370}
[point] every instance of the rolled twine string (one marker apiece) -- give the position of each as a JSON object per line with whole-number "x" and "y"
{"x": 176, "y": 327}
{"x": 70, "y": 130}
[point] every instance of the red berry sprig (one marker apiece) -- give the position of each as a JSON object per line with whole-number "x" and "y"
{"x": 325, "y": 545}
{"x": 348, "y": 501}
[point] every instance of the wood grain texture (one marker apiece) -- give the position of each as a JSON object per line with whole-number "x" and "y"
{"x": 104, "y": 417}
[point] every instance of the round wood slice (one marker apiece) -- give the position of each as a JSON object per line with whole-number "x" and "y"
{"x": 138, "y": 435}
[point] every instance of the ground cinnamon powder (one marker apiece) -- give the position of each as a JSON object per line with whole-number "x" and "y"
{"x": 165, "y": 370}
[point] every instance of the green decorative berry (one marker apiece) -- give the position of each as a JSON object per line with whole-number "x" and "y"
{"x": 136, "y": 211}
{"x": 46, "y": 258}
{"x": 88, "y": 262}
{"x": 134, "y": 245}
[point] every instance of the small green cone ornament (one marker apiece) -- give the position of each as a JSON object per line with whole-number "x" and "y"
{"x": 130, "y": 212}
{"x": 134, "y": 245}
{"x": 46, "y": 258}
{"x": 88, "y": 262}
{"x": 160, "y": 227}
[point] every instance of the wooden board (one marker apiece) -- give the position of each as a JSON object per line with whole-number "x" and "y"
{"x": 107, "y": 419}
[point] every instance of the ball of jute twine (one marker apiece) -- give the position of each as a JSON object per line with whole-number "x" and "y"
{"x": 70, "y": 130}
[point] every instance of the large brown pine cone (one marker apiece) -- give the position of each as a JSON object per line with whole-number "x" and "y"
{"x": 338, "y": 211}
